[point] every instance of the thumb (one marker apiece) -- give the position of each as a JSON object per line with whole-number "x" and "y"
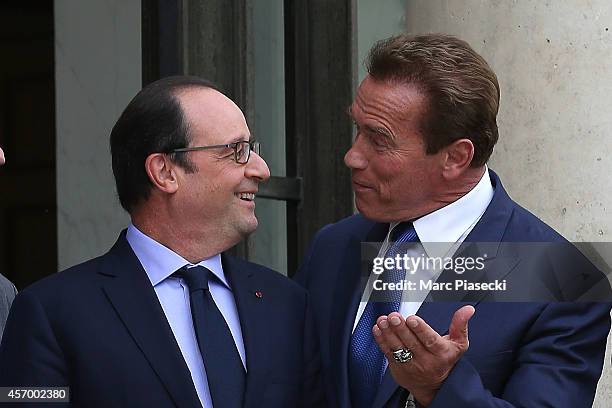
{"x": 458, "y": 330}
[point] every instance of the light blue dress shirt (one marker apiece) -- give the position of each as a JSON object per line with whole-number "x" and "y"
{"x": 159, "y": 262}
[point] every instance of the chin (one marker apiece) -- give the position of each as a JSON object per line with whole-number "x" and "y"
{"x": 248, "y": 227}
{"x": 371, "y": 214}
{"x": 363, "y": 209}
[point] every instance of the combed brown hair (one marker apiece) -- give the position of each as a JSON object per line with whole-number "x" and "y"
{"x": 461, "y": 89}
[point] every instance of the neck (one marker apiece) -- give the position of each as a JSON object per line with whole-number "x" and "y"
{"x": 458, "y": 188}
{"x": 193, "y": 244}
{"x": 455, "y": 189}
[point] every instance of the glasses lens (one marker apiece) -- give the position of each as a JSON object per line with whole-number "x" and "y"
{"x": 242, "y": 152}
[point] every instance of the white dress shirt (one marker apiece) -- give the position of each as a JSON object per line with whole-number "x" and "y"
{"x": 440, "y": 234}
{"x": 159, "y": 262}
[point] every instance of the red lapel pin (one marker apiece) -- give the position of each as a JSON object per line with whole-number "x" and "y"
{"x": 259, "y": 294}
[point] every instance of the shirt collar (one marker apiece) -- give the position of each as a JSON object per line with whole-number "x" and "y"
{"x": 451, "y": 223}
{"x": 159, "y": 261}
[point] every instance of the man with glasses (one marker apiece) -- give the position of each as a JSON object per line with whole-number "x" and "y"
{"x": 7, "y": 289}
{"x": 166, "y": 317}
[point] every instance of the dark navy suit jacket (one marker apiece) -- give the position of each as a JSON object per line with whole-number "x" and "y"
{"x": 99, "y": 328}
{"x": 528, "y": 354}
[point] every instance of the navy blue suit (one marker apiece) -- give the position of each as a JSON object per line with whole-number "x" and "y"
{"x": 528, "y": 354}
{"x": 99, "y": 328}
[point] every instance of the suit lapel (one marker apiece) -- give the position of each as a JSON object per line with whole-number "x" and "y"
{"x": 253, "y": 313}
{"x": 343, "y": 316}
{"x": 133, "y": 298}
{"x": 350, "y": 284}
{"x": 495, "y": 268}
{"x": 485, "y": 238}
{"x": 483, "y": 241}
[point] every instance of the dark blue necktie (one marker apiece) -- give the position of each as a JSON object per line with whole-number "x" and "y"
{"x": 366, "y": 361}
{"x": 224, "y": 369}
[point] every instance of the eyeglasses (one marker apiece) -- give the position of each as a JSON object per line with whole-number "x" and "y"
{"x": 242, "y": 149}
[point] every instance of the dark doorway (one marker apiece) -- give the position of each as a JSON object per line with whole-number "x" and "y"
{"x": 28, "y": 224}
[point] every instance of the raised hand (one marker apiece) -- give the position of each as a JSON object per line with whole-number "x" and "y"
{"x": 431, "y": 357}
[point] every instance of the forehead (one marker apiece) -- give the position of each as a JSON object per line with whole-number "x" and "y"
{"x": 212, "y": 117}
{"x": 388, "y": 101}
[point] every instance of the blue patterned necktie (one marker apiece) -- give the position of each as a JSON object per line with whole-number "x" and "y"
{"x": 224, "y": 369}
{"x": 366, "y": 361}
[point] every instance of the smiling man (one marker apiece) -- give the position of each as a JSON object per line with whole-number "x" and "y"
{"x": 166, "y": 317}
{"x": 425, "y": 118}
{"x": 7, "y": 289}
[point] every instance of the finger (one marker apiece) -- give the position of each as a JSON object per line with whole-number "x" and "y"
{"x": 428, "y": 337}
{"x": 458, "y": 330}
{"x": 380, "y": 340}
{"x": 386, "y": 339}
{"x": 378, "y": 335}
{"x": 406, "y": 336}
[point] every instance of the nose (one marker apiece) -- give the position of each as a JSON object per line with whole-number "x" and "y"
{"x": 257, "y": 168}
{"x": 354, "y": 158}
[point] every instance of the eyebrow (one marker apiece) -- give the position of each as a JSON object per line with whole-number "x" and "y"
{"x": 241, "y": 139}
{"x": 381, "y": 131}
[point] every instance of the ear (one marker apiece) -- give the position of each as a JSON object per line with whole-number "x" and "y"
{"x": 161, "y": 172}
{"x": 457, "y": 158}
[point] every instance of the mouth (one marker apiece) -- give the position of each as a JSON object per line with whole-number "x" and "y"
{"x": 246, "y": 196}
{"x": 357, "y": 186}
